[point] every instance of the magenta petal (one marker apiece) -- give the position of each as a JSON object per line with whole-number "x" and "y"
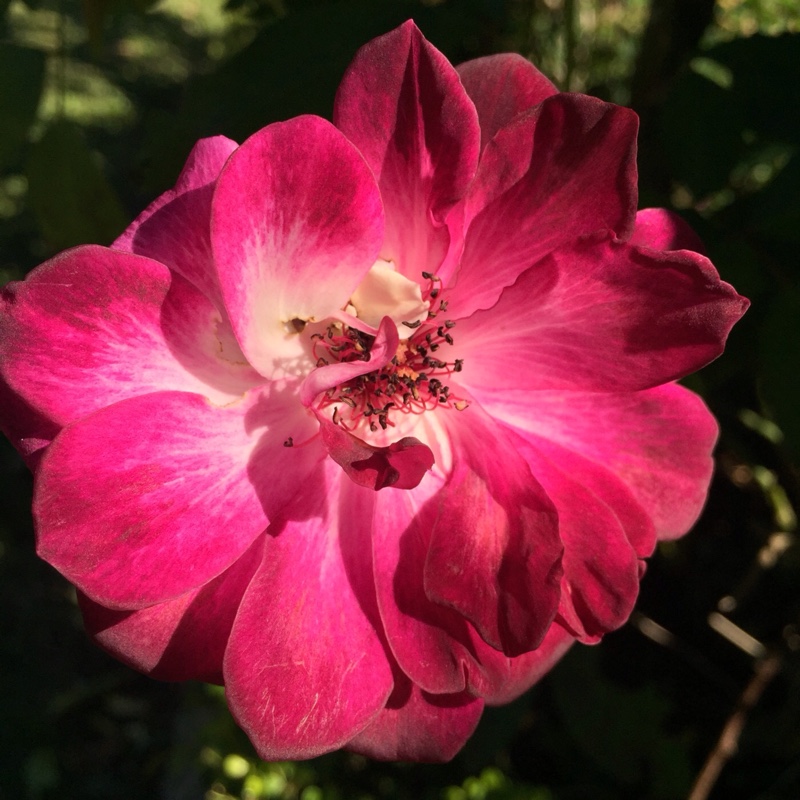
{"x": 499, "y": 679}
{"x": 502, "y": 86}
{"x": 417, "y": 726}
{"x": 110, "y": 325}
{"x": 565, "y": 169}
{"x": 402, "y": 104}
{"x": 305, "y": 670}
{"x": 174, "y": 229}
{"x": 127, "y": 500}
{"x": 658, "y": 442}
{"x": 660, "y": 229}
{"x": 601, "y": 568}
{"x": 601, "y": 315}
{"x": 181, "y": 639}
{"x": 296, "y": 223}
{"x": 495, "y": 551}
{"x": 401, "y": 465}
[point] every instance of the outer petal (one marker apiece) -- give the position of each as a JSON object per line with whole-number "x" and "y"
{"x": 417, "y": 726}
{"x": 174, "y": 228}
{"x": 565, "y": 169}
{"x": 434, "y": 644}
{"x": 658, "y": 442}
{"x": 296, "y": 223}
{"x": 601, "y": 569}
{"x": 182, "y": 639}
{"x": 94, "y": 326}
{"x": 402, "y": 104}
{"x": 661, "y": 229}
{"x": 127, "y": 500}
{"x": 305, "y": 670}
{"x": 495, "y": 551}
{"x": 601, "y": 315}
{"x": 502, "y": 86}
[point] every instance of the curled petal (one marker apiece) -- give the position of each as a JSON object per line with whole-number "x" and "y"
{"x": 601, "y": 315}
{"x": 502, "y": 86}
{"x": 658, "y": 442}
{"x": 401, "y": 465}
{"x": 495, "y": 552}
{"x": 565, "y": 169}
{"x": 402, "y": 104}
{"x": 601, "y": 568}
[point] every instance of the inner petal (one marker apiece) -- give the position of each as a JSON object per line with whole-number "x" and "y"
{"x": 384, "y": 292}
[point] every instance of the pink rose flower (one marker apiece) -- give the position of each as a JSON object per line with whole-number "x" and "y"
{"x": 371, "y": 420}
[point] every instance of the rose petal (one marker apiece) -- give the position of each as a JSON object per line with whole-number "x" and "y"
{"x": 305, "y": 670}
{"x": 601, "y": 315}
{"x": 660, "y": 229}
{"x": 182, "y": 639}
{"x": 565, "y": 169}
{"x": 109, "y": 325}
{"x": 417, "y": 726}
{"x": 402, "y": 104}
{"x": 601, "y": 569}
{"x": 174, "y": 229}
{"x": 127, "y": 501}
{"x": 658, "y": 442}
{"x": 495, "y": 552}
{"x": 292, "y": 243}
{"x": 502, "y": 86}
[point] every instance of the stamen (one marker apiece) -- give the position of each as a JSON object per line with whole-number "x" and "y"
{"x": 412, "y": 382}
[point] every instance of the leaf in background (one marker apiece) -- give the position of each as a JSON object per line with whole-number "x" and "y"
{"x": 621, "y": 730}
{"x": 70, "y": 195}
{"x": 780, "y": 365}
{"x": 21, "y": 80}
{"x": 702, "y": 125}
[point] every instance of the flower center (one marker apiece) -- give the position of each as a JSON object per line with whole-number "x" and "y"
{"x": 414, "y": 381}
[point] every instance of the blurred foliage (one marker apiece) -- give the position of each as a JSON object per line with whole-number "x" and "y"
{"x": 100, "y": 101}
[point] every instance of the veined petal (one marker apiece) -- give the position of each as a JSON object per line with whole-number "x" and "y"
{"x": 417, "y": 726}
{"x": 658, "y": 442}
{"x": 296, "y": 223}
{"x": 601, "y": 568}
{"x": 305, "y": 669}
{"x": 565, "y": 169}
{"x": 174, "y": 228}
{"x": 402, "y": 104}
{"x": 502, "y": 86}
{"x": 601, "y": 315}
{"x": 148, "y": 524}
{"x": 495, "y": 551}
{"x": 109, "y": 326}
{"x": 178, "y": 640}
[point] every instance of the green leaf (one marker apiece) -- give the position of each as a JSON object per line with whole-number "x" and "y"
{"x": 21, "y": 81}
{"x": 780, "y": 355}
{"x": 68, "y": 191}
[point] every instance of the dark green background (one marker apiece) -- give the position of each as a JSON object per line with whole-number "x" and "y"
{"x": 100, "y": 102}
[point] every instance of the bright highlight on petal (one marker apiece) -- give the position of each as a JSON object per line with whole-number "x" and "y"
{"x": 371, "y": 421}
